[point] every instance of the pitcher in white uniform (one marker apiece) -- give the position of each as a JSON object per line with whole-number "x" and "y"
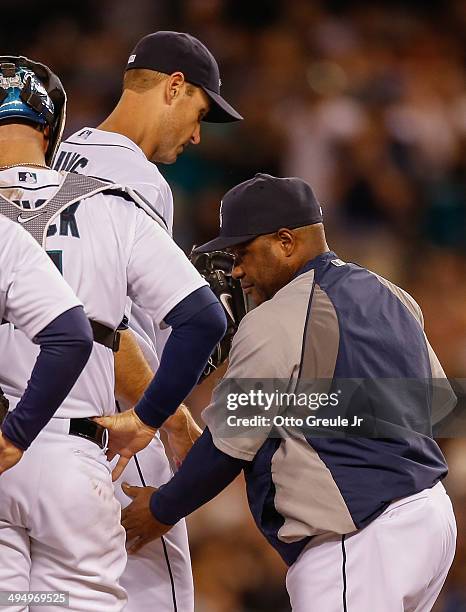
{"x": 162, "y": 67}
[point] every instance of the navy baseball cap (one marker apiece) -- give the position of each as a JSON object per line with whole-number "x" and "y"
{"x": 263, "y": 205}
{"x": 170, "y": 52}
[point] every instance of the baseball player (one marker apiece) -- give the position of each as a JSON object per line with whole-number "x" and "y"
{"x": 35, "y": 299}
{"x": 363, "y": 521}
{"x": 59, "y": 521}
{"x": 171, "y": 84}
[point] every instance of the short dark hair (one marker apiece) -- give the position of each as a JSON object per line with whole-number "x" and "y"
{"x": 140, "y": 80}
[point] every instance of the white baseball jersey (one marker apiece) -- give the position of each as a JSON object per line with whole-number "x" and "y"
{"x": 32, "y": 292}
{"x": 107, "y": 248}
{"x": 113, "y": 157}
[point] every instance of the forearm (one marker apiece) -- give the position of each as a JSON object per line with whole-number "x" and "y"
{"x": 133, "y": 375}
{"x": 65, "y": 347}
{"x": 205, "y": 472}
{"x": 198, "y": 323}
{"x": 132, "y": 372}
{"x": 179, "y": 421}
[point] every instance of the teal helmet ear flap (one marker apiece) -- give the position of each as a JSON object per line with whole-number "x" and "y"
{"x": 31, "y": 92}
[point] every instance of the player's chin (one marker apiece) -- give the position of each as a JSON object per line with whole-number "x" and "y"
{"x": 168, "y": 160}
{"x": 256, "y": 296}
{"x": 169, "y": 157}
{"x": 176, "y": 153}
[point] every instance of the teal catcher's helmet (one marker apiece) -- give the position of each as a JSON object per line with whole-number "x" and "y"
{"x": 31, "y": 92}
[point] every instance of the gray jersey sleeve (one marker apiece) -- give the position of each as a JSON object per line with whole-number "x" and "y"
{"x": 265, "y": 355}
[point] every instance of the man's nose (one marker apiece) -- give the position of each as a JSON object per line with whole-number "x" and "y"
{"x": 237, "y": 272}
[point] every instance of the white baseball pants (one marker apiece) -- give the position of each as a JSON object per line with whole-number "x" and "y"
{"x": 159, "y": 576}
{"x": 398, "y": 563}
{"x": 60, "y": 524}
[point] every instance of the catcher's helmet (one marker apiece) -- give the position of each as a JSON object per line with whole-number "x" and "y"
{"x": 31, "y": 92}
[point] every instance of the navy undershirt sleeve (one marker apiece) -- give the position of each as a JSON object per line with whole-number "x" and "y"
{"x": 198, "y": 323}
{"x": 65, "y": 347}
{"x": 203, "y": 474}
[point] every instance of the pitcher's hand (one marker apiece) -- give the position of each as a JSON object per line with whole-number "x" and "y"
{"x": 127, "y": 435}
{"x": 182, "y": 431}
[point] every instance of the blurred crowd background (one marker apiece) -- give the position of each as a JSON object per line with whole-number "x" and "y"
{"x": 367, "y": 102}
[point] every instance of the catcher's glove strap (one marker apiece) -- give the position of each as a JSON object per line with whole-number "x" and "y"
{"x": 90, "y": 430}
{"x": 102, "y": 335}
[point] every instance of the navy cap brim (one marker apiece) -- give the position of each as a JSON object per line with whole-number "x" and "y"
{"x": 223, "y": 242}
{"x": 220, "y": 111}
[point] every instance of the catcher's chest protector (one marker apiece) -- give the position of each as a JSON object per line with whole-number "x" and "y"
{"x": 74, "y": 188}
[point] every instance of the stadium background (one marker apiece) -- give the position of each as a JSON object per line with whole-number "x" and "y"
{"x": 366, "y": 101}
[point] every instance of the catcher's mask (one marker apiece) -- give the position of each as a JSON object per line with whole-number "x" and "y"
{"x": 31, "y": 92}
{"x": 216, "y": 268}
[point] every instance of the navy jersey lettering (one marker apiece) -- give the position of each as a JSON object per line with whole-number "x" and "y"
{"x": 70, "y": 161}
{"x": 68, "y": 224}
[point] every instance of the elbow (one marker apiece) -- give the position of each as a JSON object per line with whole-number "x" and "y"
{"x": 217, "y": 323}
{"x": 78, "y": 336}
{"x": 86, "y": 344}
{"x": 68, "y": 338}
{"x": 83, "y": 343}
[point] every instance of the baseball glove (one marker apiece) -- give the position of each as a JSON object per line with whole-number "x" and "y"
{"x": 216, "y": 268}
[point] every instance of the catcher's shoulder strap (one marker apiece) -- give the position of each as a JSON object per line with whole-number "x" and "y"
{"x": 75, "y": 187}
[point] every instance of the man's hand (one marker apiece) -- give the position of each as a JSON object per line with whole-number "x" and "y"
{"x": 9, "y": 454}
{"x": 182, "y": 431}
{"x": 127, "y": 435}
{"x": 140, "y": 524}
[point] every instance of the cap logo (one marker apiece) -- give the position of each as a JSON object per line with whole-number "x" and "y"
{"x": 132, "y": 58}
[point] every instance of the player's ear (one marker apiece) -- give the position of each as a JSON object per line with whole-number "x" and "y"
{"x": 174, "y": 86}
{"x": 287, "y": 240}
